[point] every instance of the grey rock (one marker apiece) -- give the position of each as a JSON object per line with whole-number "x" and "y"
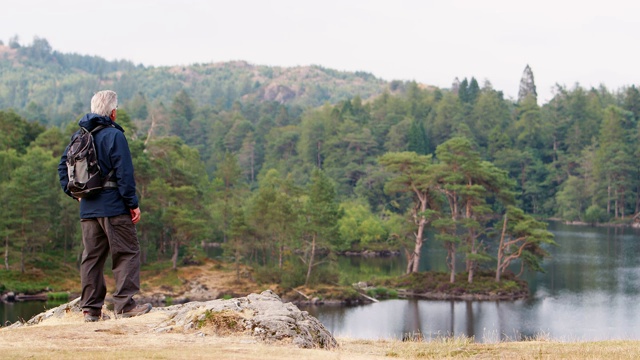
{"x": 263, "y": 316}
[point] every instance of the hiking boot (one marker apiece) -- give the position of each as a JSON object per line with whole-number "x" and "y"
{"x": 136, "y": 311}
{"x": 93, "y": 317}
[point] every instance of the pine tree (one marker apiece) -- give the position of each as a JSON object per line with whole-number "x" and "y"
{"x": 615, "y": 163}
{"x": 522, "y": 238}
{"x": 322, "y": 213}
{"x": 412, "y": 175}
{"x": 527, "y": 85}
{"x": 467, "y": 182}
{"x": 463, "y": 91}
{"x": 455, "y": 86}
{"x": 30, "y": 211}
{"x": 417, "y": 138}
{"x": 473, "y": 91}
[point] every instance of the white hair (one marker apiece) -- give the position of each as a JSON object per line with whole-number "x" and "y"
{"x": 103, "y": 102}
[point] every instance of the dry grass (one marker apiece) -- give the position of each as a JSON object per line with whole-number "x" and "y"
{"x": 466, "y": 349}
{"x": 131, "y": 338}
{"x": 217, "y": 277}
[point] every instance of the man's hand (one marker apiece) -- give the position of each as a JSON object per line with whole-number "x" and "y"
{"x": 135, "y": 215}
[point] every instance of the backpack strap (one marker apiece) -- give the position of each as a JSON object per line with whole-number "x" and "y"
{"x": 96, "y": 129}
{"x": 107, "y": 183}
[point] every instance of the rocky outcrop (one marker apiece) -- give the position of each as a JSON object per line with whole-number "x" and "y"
{"x": 279, "y": 93}
{"x": 263, "y": 316}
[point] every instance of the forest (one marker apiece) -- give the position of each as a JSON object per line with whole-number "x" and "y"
{"x": 286, "y": 172}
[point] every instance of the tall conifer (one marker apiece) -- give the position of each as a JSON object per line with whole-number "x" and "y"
{"x": 527, "y": 85}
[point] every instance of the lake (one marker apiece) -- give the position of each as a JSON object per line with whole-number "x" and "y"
{"x": 23, "y": 310}
{"x": 589, "y": 292}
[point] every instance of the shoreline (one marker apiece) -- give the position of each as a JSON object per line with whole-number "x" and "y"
{"x": 633, "y": 224}
{"x": 201, "y": 283}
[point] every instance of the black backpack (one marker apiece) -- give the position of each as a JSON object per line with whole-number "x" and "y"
{"x": 82, "y": 166}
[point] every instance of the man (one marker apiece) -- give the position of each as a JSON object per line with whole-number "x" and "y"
{"x": 108, "y": 218}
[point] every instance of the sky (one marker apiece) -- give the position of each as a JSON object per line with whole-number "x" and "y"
{"x": 565, "y": 42}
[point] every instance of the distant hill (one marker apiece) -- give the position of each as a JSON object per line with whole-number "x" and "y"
{"x": 51, "y": 87}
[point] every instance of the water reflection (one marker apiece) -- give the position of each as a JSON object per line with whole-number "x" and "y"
{"x": 11, "y": 312}
{"x": 560, "y": 318}
{"x": 589, "y": 292}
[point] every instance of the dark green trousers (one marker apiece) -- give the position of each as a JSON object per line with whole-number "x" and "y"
{"x": 103, "y": 236}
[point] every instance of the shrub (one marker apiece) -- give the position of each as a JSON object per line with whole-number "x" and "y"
{"x": 595, "y": 214}
{"x": 267, "y": 275}
{"x": 383, "y": 293}
{"x": 58, "y": 296}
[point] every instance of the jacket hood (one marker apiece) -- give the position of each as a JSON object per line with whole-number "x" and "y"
{"x": 91, "y": 121}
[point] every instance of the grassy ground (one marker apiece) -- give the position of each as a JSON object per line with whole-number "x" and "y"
{"x": 36, "y": 280}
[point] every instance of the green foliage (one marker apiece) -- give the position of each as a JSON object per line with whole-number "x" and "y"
{"x": 17, "y": 133}
{"x": 572, "y": 199}
{"x": 522, "y": 238}
{"x": 230, "y": 153}
{"x": 468, "y": 184}
{"x": 413, "y": 175}
{"x": 321, "y": 216}
{"x": 294, "y": 274}
{"x": 55, "y": 277}
{"x": 383, "y": 293}
{"x": 267, "y": 274}
{"x": 29, "y": 214}
{"x": 58, "y": 296}
{"x": 165, "y": 279}
{"x": 418, "y": 139}
{"x": 274, "y": 215}
{"x": 360, "y": 226}
{"x": 24, "y": 283}
{"x": 238, "y": 233}
{"x": 438, "y": 282}
{"x": 595, "y": 214}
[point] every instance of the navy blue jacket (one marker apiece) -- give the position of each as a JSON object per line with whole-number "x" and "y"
{"x": 113, "y": 153}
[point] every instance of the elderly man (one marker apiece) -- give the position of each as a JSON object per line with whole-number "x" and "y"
{"x": 108, "y": 218}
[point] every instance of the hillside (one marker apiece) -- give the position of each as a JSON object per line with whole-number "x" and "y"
{"x": 51, "y": 87}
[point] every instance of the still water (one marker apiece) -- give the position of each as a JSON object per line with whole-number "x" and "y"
{"x": 11, "y": 312}
{"x": 589, "y": 292}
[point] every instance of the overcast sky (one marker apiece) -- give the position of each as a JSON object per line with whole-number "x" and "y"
{"x": 432, "y": 42}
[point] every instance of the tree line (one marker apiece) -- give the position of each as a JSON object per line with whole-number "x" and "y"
{"x": 280, "y": 225}
{"x": 286, "y": 187}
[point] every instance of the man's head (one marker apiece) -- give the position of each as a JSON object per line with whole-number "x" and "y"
{"x": 105, "y": 103}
